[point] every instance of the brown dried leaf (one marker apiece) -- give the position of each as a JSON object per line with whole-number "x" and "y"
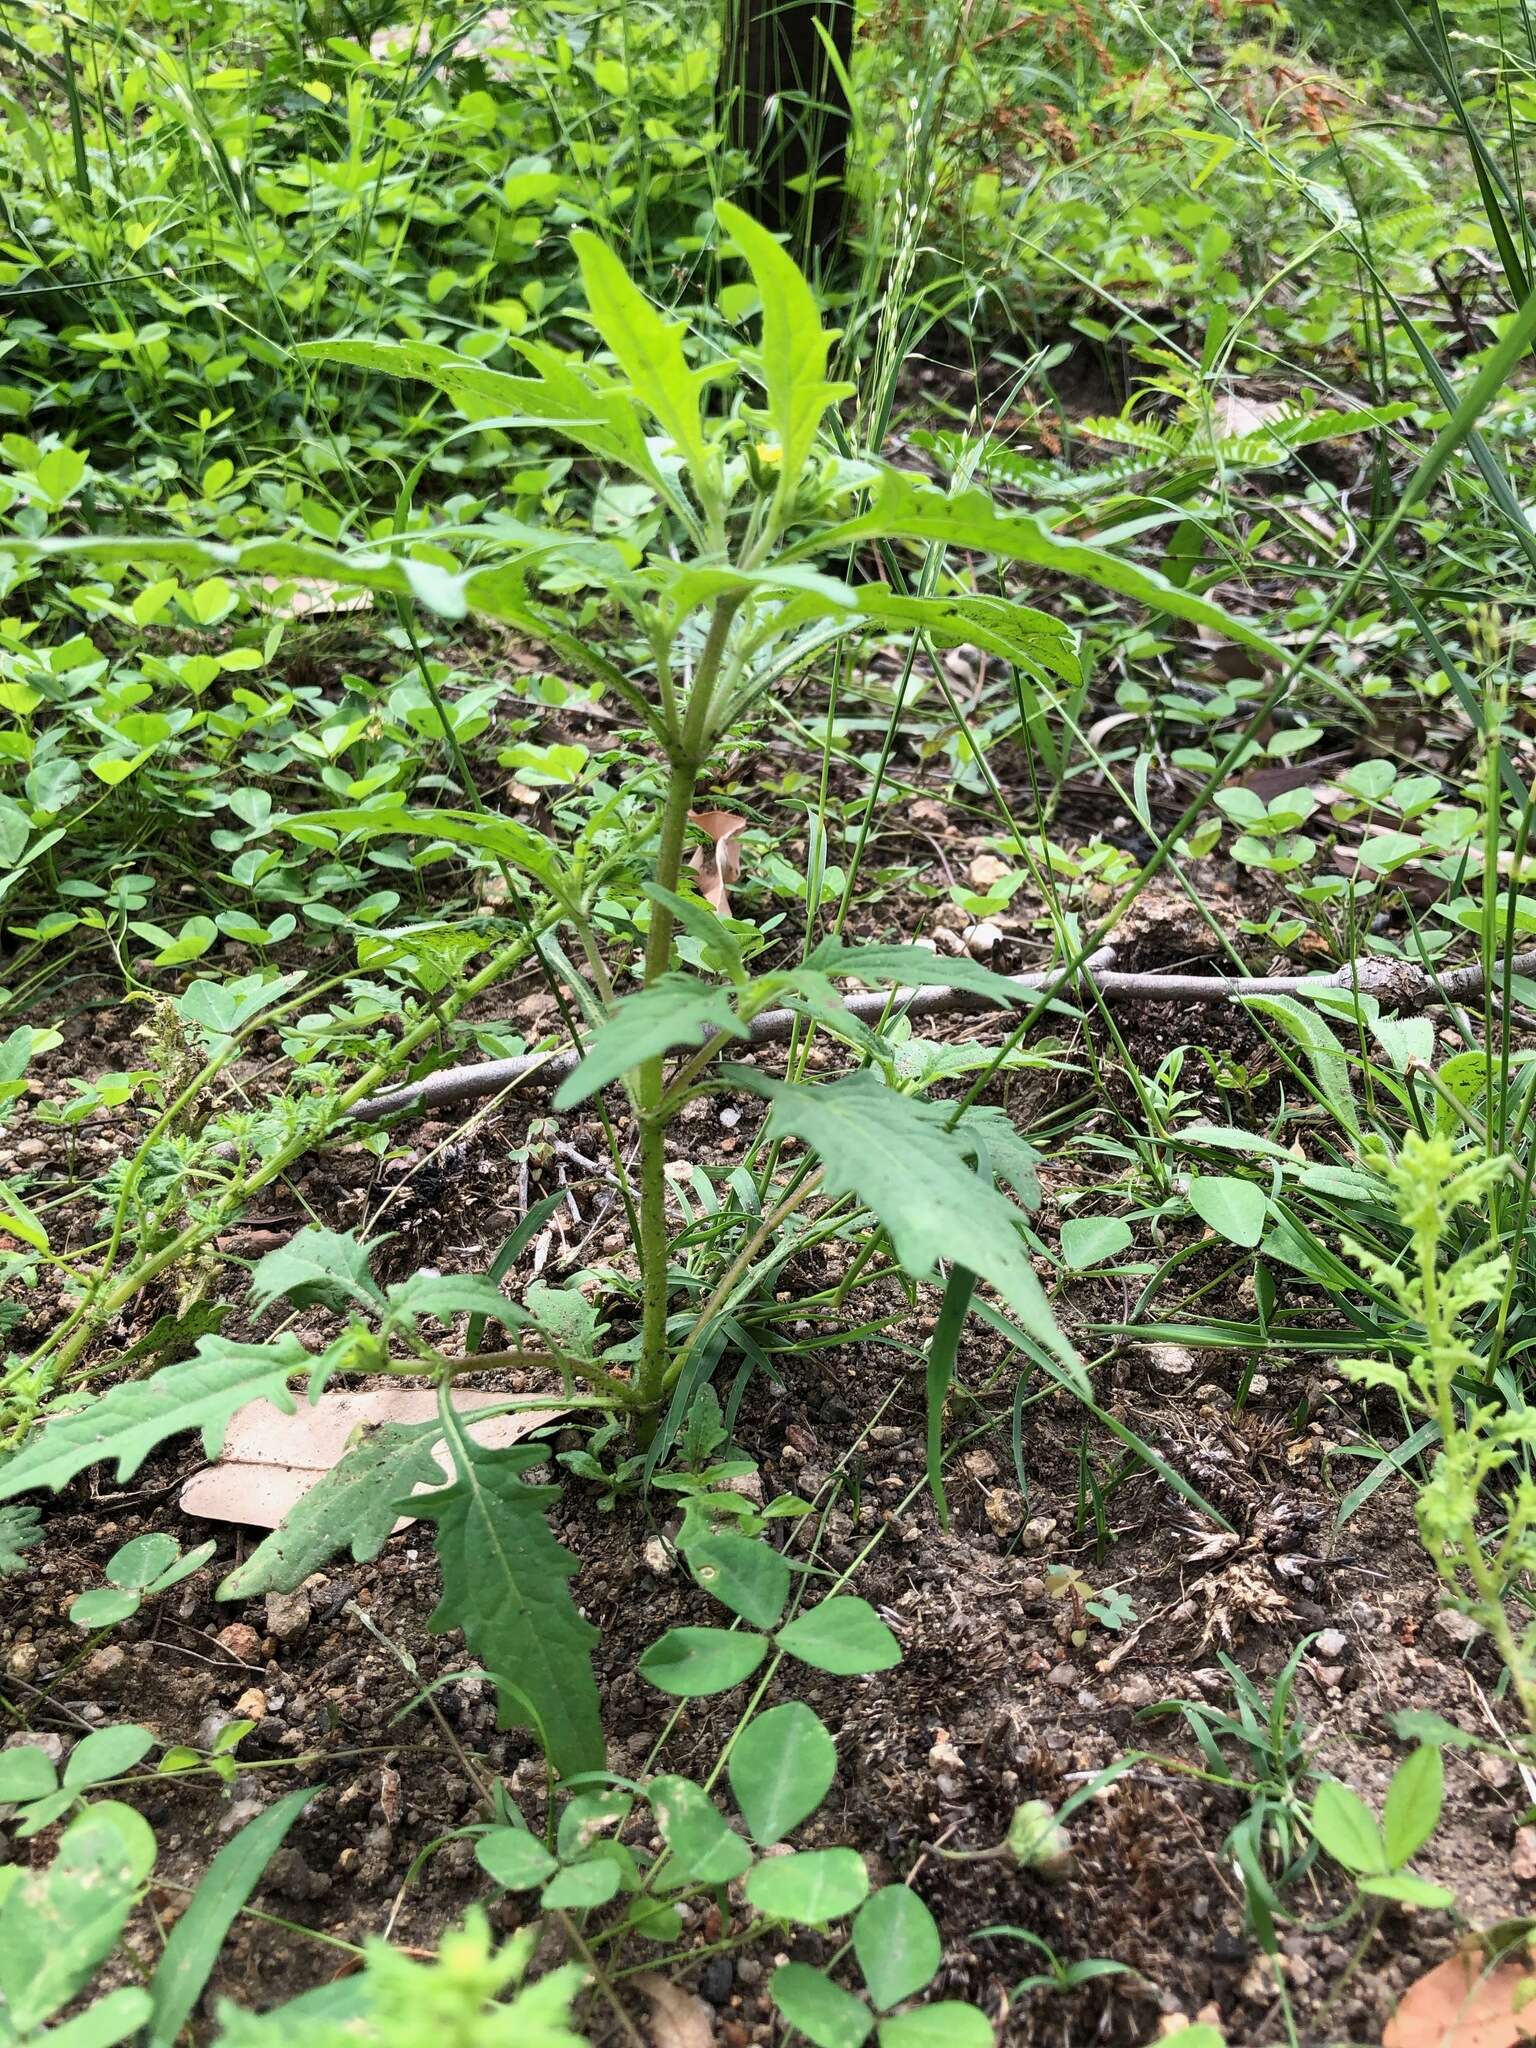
{"x": 271, "y": 1459}
{"x": 1236, "y": 415}
{"x": 721, "y": 866}
{"x": 986, "y": 869}
{"x": 309, "y": 598}
{"x": 678, "y": 2019}
{"x": 1288, "y": 775}
{"x": 1458, "y": 2005}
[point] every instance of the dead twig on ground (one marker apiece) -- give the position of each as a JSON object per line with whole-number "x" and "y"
{"x": 1398, "y": 983}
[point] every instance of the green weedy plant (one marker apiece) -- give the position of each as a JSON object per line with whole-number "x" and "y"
{"x": 1269, "y": 1767}
{"x": 779, "y": 1764}
{"x": 471, "y": 1994}
{"x": 724, "y": 601}
{"x": 1431, "y": 1179}
{"x": 60, "y": 1921}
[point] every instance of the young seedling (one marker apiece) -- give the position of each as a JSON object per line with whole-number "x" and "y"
{"x": 1377, "y": 1853}
{"x": 137, "y": 1571}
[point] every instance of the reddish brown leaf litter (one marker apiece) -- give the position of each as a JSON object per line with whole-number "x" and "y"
{"x": 1463, "y": 2004}
{"x": 721, "y": 865}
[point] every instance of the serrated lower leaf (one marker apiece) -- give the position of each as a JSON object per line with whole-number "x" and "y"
{"x": 675, "y": 1010}
{"x": 899, "y": 1157}
{"x": 914, "y": 967}
{"x": 1326, "y": 1057}
{"x": 328, "y": 1267}
{"x": 19, "y": 1530}
{"x": 1009, "y": 1154}
{"x": 1020, "y": 634}
{"x": 129, "y": 1420}
{"x": 355, "y": 1505}
{"x": 506, "y": 1583}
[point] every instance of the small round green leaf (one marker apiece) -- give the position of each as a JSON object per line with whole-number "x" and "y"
{"x": 690, "y": 1663}
{"x": 516, "y": 1859}
{"x": 654, "y": 1921}
{"x": 780, "y": 1767}
{"x": 1347, "y": 1829}
{"x": 42, "y": 1813}
{"x": 844, "y": 1635}
{"x": 822, "y": 2010}
{"x": 744, "y": 1573}
{"x": 1235, "y": 1209}
{"x": 182, "y": 1568}
{"x": 588, "y": 1818}
{"x": 811, "y": 1888}
{"x": 948, "y": 2024}
{"x": 102, "y": 1607}
{"x": 1409, "y": 1890}
{"x": 1090, "y": 1240}
{"x": 106, "y": 2021}
{"x": 694, "y": 1829}
{"x": 106, "y": 1754}
{"x": 1414, "y": 1799}
{"x": 897, "y": 1944}
{"x": 25, "y": 1773}
{"x": 111, "y": 1836}
{"x": 136, "y": 1563}
{"x": 581, "y": 1885}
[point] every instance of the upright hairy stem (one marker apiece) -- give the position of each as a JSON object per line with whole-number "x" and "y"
{"x": 685, "y": 758}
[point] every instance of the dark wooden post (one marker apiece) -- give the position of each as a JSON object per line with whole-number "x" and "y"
{"x": 782, "y": 101}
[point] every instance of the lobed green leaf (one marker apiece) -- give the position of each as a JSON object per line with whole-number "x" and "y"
{"x": 128, "y": 1421}
{"x": 506, "y": 1584}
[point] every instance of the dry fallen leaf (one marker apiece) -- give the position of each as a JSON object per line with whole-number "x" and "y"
{"x": 1236, "y": 415}
{"x": 678, "y": 2019}
{"x": 271, "y": 1460}
{"x": 1457, "y": 2005}
{"x": 986, "y": 869}
{"x": 307, "y": 598}
{"x": 720, "y": 867}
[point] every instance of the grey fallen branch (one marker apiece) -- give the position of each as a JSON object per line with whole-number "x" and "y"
{"x": 1397, "y": 983}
